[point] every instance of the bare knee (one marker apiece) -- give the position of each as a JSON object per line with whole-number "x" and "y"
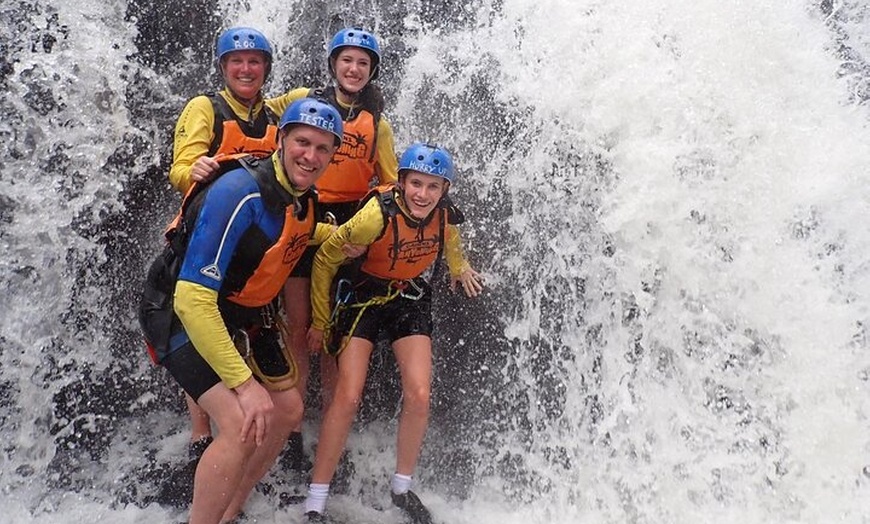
{"x": 231, "y": 448}
{"x": 346, "y": 402}
{"x": 416, "y": 400}
{"x": 288, "y": 409}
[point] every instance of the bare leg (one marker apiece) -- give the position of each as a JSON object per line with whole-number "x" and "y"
{"x": 222, "y": 465}
{"x": 414, "y": 357}
{"x": 352, "y": 370}
{"x": 200, "y": 424}
{"x": 297, "y": 303}
{"x": 329, "y": 377}
{"x": 287, "y": 414}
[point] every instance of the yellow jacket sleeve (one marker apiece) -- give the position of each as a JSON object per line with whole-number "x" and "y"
{"x": 453, "y": 251}
{"x": 196, "y": 307}
{"x": 362, "y": 229}
{"x": 387, "y": 167}
{"x": 280, "y": 103}
{"x": 194, "y": 133}
{"x": 322, "y": 231}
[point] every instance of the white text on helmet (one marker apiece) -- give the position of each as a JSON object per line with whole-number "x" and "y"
{"x": 244, "y": 43}
{"x": 356, "y": 40}
{"x": 316, "y": 121}
{"x": 426, "y": 168}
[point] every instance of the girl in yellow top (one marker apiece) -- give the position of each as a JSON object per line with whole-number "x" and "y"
{"x": 366, "y": 157}
{"x": 407, "y": 227}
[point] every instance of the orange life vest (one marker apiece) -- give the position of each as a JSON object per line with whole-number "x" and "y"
{"x": 266, "y": 280}
{"x": 352, "y": 168}
{"x": 407, "y": 246}
{"x": 251, "y": 281}
{"x": 235, "y": 138}
{"x": 279, "y": 260}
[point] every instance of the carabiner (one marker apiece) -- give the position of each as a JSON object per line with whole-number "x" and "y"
{"x": 412, "y": 284}
{"x": 343, "y": 297}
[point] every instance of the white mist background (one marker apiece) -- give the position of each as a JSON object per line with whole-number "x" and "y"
{"x": 733, "y": 199}
{"x": 739, "y": 164}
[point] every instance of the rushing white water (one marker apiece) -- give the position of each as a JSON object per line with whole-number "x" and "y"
{"x": 667, "y": 199}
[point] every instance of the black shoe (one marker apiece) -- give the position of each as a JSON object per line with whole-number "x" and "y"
{"x": 410, "y": 503}
{"x": 314, "y": 516}
{"x": 293, "y": 457}
{"x": 196, "y": 449}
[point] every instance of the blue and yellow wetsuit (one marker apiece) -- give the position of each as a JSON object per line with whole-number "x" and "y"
{"x": 245, "y": 232}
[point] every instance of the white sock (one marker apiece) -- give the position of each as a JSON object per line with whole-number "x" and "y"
{"x": 316, "y": 499}
{"x": 400, "y": 483}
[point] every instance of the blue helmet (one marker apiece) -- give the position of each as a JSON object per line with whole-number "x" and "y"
{"x": 314, "y": 113}
{"x": 428, "y": 159}
{"x": 355, "y": 37}
{"x": 243, "y": 39}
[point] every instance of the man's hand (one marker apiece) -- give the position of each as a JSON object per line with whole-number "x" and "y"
{"x": 471, "y": 280}
{"x": 257, "y": 406}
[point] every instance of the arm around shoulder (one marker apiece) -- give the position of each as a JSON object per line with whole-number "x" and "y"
{"x": 280, "y": 103}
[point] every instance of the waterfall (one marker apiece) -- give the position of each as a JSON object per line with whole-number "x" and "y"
{"x": 665, "y": 198}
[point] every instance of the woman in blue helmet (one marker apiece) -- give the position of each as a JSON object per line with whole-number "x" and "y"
{"x": 408, "y": 227}
{"x": 232, "y": 122}
{"x": 208, "y": 308}
{"x": 220, "y": 127}
{"x": 366, "y": 158}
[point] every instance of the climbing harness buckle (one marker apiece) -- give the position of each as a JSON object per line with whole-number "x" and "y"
{"x": 404, "y": 293}
{"x": 268, "y": 314}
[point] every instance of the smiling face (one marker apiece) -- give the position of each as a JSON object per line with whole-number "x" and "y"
{"x": 353, "y": 68}
{"x": 422, "y": 192}
{"x": 306, "y": 152}
{"x": 244, "y": 73}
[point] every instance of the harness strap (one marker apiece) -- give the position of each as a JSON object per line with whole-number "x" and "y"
{"x": 242, "y": 340}
{"x": 395, "y": 289}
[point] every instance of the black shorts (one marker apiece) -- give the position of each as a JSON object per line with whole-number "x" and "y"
{"x": 196, "y": 376}
{"x": 398, "y": 318}
{"x": 190, "y": 370}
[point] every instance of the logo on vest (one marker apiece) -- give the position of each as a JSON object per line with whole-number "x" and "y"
{"x": 212, "y": 272}
{"x": 353, "y": 147}
{"x": 413, "y": 251}
{"x": 295, "y": 247}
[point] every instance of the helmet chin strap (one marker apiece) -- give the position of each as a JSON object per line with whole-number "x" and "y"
{"x": 352, "y": 96}
{"x": 346, "y": 92}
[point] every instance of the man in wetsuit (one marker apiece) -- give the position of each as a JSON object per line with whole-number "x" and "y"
{"x": 210, "y": 311}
